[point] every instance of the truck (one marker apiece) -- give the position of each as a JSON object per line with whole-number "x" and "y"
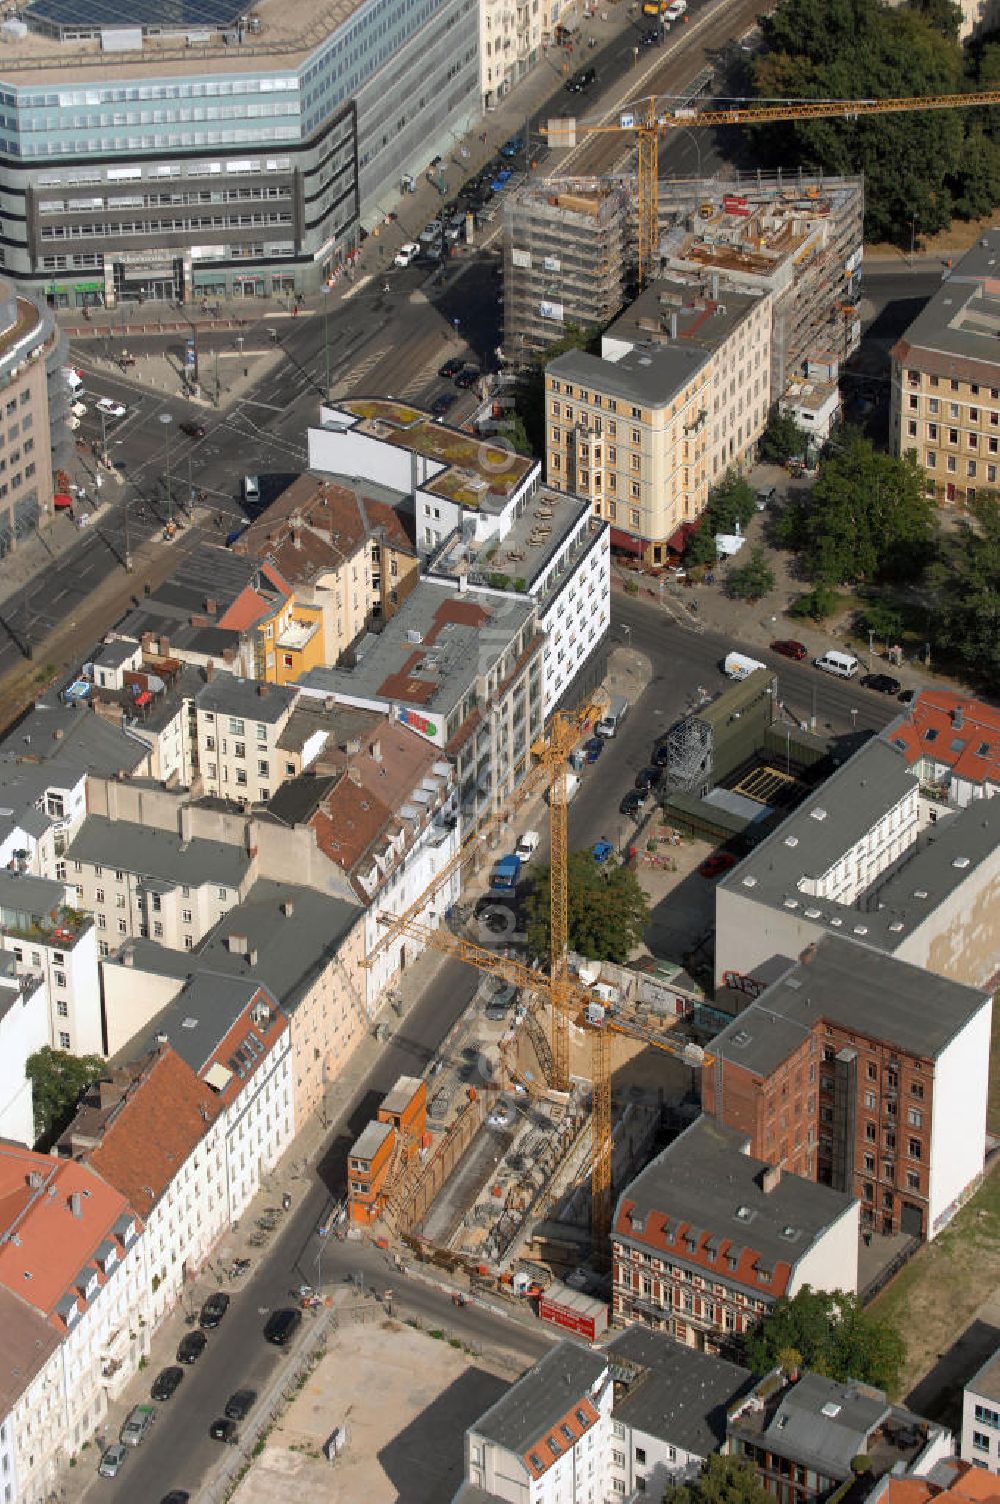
{"x": 740, "y": 666}
{"x": 612, "y": 719}
{"x": 527, "y": 845}
{"x": 506, "y": 873}
{"x": 572, "y": 784}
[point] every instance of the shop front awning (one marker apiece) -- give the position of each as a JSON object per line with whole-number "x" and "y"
{"x": 626, "y": 543}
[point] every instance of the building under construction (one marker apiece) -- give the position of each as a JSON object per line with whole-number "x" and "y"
{"x": 570, "y": 256}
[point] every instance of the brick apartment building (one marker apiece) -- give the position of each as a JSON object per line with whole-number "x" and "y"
{"x": 866, "y": 1074}
{"x": 385, "y": 1147}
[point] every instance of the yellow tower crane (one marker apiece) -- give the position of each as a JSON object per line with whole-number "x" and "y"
{"x": 646, "y": 119}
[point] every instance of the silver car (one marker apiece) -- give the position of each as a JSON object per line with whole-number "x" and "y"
{"x": 112, "y": 1460}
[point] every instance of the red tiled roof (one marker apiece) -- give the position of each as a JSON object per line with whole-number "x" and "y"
{"x": 59, "y": 1223}
{"x": 465, "y": 613}
{"x": 350, "y": 820}
{"x": 165, "y": 1115}
{"x": 654, "y": 1237}
{"x": 950, "y": 728}
{"x": 546, "y": 1454}
{"x": 247, "y": 609}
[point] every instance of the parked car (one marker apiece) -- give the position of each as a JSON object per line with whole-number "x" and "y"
{"x": 467, "y": 378}
{"x": 502, "y": 1115}
{"x": 661, "y": 755}
{"x": 167, "y": 1383}
{"x": 717, "y": 863}
{"x": 191, "y": 1347}
{"x": 239, "y": 1405}
{"x": 214, "y": 1309}
{"x": 192, "y": 429}
{"x": 137, "y": 1425}
{"x": 112, "y": 1460}
{"x": 789, "y": 648}
{"x": 431, "y": 232}
{"x": 883, "y": 684}
{"x": 454, "y": 229}
{"x": 407, "y": 253}
{"x": 649, "y": 39}
{"x": 224, "y": 1429}
{"x": 112, "y": 408}
{"x": 176, "y": 1496}
{"x": 593, "y": 748}
{"x": 648, "y": 778}
{"x": 282, "y": 1325}
{"x": 78, "y": 409}
{"x": 442, "y": 403}
{"x": 600, "y": 851}
{"x": 451, "y": 367}
{"x": 631, "y": 804}
{"x": 503, "y": 177}
{"x": 581, "y": 81}
{"x": 511, "y": 147}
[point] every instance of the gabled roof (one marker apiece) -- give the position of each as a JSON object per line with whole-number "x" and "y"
{"x": 162, "y": 1119}
{"x": 672, "y": 1392}
{"x": 558, "y": 1391}
{"x": 316, "y": 525}
{"x": 949, "y": 728}
{"x": 28, "y": 1342}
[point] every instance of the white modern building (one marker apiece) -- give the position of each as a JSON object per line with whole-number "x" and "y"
{"x": 24, "y": 1028}
{"x": 42, "y": 808}
{"x": 981, "y": 1417}
{"x": 547, "y": 1440}
{"x": 57, "y": 945}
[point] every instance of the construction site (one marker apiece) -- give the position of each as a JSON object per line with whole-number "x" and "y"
{"x": 498, "y": 1165}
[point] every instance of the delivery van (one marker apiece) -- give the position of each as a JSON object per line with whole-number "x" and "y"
{"x": 739, "y": 666}
{"x": 844, "y": 665}
{"x": 613, "y": 717}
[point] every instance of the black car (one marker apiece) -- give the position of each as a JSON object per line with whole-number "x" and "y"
{"x": 661, "y": 755}
{"x": 191, "y": 1347}
{"x": 214, "y": 1309}
{"x": 192, "y": 429}
{"x": 441, "y": 404}
{"x": 883, "y": 684}
{"x": 451, "y": 367}
{"x": 582, "y": 80}
{"x": 467, "y": 378}
{"x": 176, "y": 1496}
{"x": 166, "y": 1383}
{"x": 224, "y": 1430}
{"x": 649, "y": 39}
{"x": 282, "y": 1325}
{"x": 239, "y": 1405}
{"x": 631, "y": 804}
{"x": 648, "y": 778}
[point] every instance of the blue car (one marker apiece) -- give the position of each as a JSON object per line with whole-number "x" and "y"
{"x": 501, "y": 180}
{"x": 512, "y": 147}
{"x": 593, "y": 748}
{"x": 601, "y": 851}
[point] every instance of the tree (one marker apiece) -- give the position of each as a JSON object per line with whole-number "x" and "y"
{"x": 966, "y": 581}
{"x": 531, "y": 388}
{"x": 817, "y": 604}
{"x": 723, "y": 1480}
{"x": 608, "y": 911}
{"x": 731, "y": 504}
{"x": 867, "y": 517}
{"x": 58, "y": 1080}
{"x": 884, "y": 621}
{"x": 834, "y": 1335}
{"x": 753, "y": 580}
{"x": 849, "y": 49}
{"x": 782, "y": 438}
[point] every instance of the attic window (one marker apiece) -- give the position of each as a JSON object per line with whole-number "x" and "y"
{"x": 931, "y": 735}
{"x": 790, "y": 1233}
{"x": 831, "y": 1410}
{"x": 741, "y": 1039}
{"x": 861, "y": 929}
{"x": 190, "y": 1023}
{"x": 744, "y": 1214}
{"x": 749, "y": 881}
{"x": 982, "y": 749}
{"x": 791, "y": 903}
{"x": 900, "y": 742}
{"x": 957, "y": 743}
{"x": 819, "y": 813}
{"x": 536, "y": 1461}
{"x": 791, "y": 840}
{"x": 961, "y": 862}
{"x": 581, "y": 1416}
{"x": 554, "y": 1446}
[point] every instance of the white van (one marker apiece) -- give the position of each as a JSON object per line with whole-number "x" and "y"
{"x": 675, "y": 10}
{"x": 614, "y": 715}
{"x": 738, "y": 666}
{"x": 572, "y": 784}
{"x": 844, "y": 665}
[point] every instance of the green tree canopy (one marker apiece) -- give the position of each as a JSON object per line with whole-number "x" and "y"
{"x": 608, "y": 911}
{"x": 966, "y": 580}
{"x": 58, "y": 1080}
{"x": 832, "y": 1333}
{"x": 848, "y": 49}
{"x": 867, "y": 517}
{"x": 752, "y": 580}
{"x": 723, "y": 1480}
{"x": 731, "y": 502}
{"x": 782, "y": 438}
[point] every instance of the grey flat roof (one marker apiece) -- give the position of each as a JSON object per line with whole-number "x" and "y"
{"x": 649, "y": 374}
{"x": 115, "y": 654}
{"x": 986, "y": 1381}
{"x": 200, "y": 1017}
{"x": 539, "y": 1400}
{"x": 459, "y": 652}
{"x": 943, "y": 857}
{"x": 158, "y": 854}
{"x": 298, "y": 799}
{"x": 74, "y": 736}
{"x": 25, "y": 894}
{"x": 227, "y": 695}
{"x": 371, "y": 1138}
{"x": 864, "y": 991}
{"x": 682, "y": 1395}
{"x": 555, "y": 512}
{"x": 705, "y": 1179}
{"x": 961, "y": 319}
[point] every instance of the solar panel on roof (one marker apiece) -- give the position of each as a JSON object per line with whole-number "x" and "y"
{"x": 151, "y": 15}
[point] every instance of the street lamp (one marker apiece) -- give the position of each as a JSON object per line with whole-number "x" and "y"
{"x": 166, "y": 420}
{"x": 871, "y": 648}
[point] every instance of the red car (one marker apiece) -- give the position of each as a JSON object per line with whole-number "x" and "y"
{"x": 789, "y": 648}
{"x": 716, "y": 864}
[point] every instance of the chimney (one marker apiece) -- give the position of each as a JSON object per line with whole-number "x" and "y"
{"x": 209, "y": 671}
{"x": 252, "y": 955}
{"x": 288, "y": 908}
{"x": 354, "y": 776}
{"x": 212, "y": 606}
{"x": 75, "y": 1204}
{"x": 376, "y": 751}
{"x": 262, "y": 689}
{"x": 770, "y": 1178}
{"x": 958, "y": 717}
{"x": 164, "y": 647}
{"x": 160, "y": 1038}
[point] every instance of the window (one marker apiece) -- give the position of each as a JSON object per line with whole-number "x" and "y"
{"x": 123, "y": 926}
{"x": 63, "y": 1040}
{"x": 980, "y": 1441}
{"x": 870, "y": 1132}
{"x": 62, "y": 1008}
{"x": 915, "y": 1148}
{"x": 915, "y": 1117}
{"x": 917, "y": 1089}
{"x": 640, "y": 1456}
{"x": 912, "y": 1180}
{"x": 223, "y": 893}
{"x": 988, "y": 1416}
{"x": 870, "y": 1100}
